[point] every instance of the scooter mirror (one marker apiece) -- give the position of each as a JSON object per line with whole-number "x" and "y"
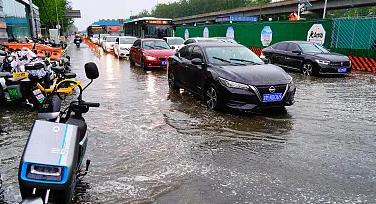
{"x": 91, "y": 70}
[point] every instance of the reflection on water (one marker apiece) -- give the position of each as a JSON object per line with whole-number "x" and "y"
{"x": 150, "y": 145}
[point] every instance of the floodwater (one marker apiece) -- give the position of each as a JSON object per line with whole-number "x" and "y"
{"x": 148, "y": 145}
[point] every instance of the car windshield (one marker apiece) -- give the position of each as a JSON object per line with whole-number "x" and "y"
{"x": 155, "y": 45}
{"x": 312, "y": 48}
{"x": 111, "y": 39}
{"x": 232, "y": 55}
{"x": 175, "y": 41}
{"x": 127, "y": 40}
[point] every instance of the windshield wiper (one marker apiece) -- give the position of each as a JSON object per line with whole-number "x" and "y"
{"x": 243, "y": 60}
{"x": 228, "y": 61}
{"x": 222, "y": 60}
{"x": 163, "y": 48}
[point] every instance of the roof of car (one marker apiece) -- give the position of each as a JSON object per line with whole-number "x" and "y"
{"x": 216, "y": 44}
{"x": 127, "y": 37}
{"x": 151, "y": 39}
{"x": 201, "y": 38}
{"x": 172, "y": 37}
{"x": 295, "y": 41}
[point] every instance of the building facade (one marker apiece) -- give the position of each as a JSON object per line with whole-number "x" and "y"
{"x": 16, "y": 17}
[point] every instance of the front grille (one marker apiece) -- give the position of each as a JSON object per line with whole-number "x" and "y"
{"x": 340, "y": 64}
{"x": 162, "y": 59}
{"x": 265, "y": 89}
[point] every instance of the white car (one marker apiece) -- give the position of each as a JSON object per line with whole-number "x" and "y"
{"x": 175, "y": 42}
{"x": 123, "y": 45}
{"x": 108, "y": 43}
{"x": 95, "y": 39}
{"x": 101, "y": 38}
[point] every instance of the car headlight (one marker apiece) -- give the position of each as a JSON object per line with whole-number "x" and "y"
{"x": 232, "y": 84}
{"x": 150, "y": 58}
{"x": 324, "y": 62}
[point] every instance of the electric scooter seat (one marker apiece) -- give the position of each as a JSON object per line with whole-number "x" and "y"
{"x": 70, "y": 75}
{"x": 34, "y": 66}
{"x": 48, "y": 116}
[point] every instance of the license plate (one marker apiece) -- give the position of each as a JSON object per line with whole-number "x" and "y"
{"x": 342, "y": 70}
{"x": 19, "y": 75}
{"x": 164, "y": 63}
{"x": 272, "y": 97}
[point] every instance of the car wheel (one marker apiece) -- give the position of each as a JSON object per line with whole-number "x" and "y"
{"x": 212, "y": 98}
{"x": 131, "y": 60}
{"x": 308, "y": 69}
{"x": 171, "y": 82}
{"x": 143, "y": 66}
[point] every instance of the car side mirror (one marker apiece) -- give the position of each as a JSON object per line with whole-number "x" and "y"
{"x": 298, "y": 52}
{"x": 197, "y": 61}
{"x": 91, "y": 70}
{"x": 265, "y": 60}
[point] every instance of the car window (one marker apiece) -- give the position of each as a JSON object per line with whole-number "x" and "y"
{"x": 155, "y": 45}
{"x": 127, "y": 40}
{"x": 231, "y": 55}
{"x": 183, "y": 52}
{"x": 292, "y": 47}
{"x": 189, "y": 41}
{"x": 111, "y": 39}
{"x": 312, "y": 48}
{"x": 137, "y": 44}
{"x": 281, "y": 46}
{"x": 175, "y": 41}
{"x": 197, "y": 53}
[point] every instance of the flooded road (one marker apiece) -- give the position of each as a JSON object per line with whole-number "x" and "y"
{"x": 148, "y": 145}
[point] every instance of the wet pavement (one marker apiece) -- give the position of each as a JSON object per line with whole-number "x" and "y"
{"x": 149, "y": 145}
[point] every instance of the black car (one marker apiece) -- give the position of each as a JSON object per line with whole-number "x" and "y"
{"x": 229, "y": 75}
{"x": 308, "y": 58}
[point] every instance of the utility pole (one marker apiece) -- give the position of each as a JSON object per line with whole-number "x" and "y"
{"x": 57, "y": 18}
{"x": 324, "y": 14}
{"x": 33, "y": 24}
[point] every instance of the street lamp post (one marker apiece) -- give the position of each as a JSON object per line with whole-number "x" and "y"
{"x": 33, "y": 24}
{"x": 57, "y": 18}
{"x": 324, "y": 14}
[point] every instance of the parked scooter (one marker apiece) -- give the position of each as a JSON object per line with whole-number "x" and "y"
{"x": 51, "y": 168}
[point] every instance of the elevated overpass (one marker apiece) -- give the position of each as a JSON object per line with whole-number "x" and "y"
{"x": 281, "y": 7}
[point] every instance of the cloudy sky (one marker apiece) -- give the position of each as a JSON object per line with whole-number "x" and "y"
{"x": 92, "y": 10}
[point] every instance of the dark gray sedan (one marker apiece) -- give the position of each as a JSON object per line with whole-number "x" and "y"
{"x": 308, "y": 58}
{"x": 230, "y": 75}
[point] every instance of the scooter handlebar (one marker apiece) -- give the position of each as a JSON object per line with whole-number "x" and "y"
{"x": 93, "y": 105}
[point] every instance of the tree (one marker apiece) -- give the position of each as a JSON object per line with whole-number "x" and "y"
{"x": 48, "y": 15}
